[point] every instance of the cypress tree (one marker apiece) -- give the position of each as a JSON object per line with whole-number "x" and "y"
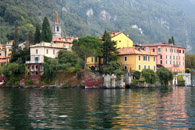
{"x": 173, "y": 41}
{"x": 46, "y": 34}
{"x": 109, "y": 48}
{"x": 16, "y": 41}
{"x": 170, "y": 41}
{"x": 37, "y": 36}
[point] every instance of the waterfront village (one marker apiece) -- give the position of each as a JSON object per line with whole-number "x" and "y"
{"x": 109, "y": 61}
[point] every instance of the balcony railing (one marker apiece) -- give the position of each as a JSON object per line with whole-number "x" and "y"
{"x": 176, "y": 65}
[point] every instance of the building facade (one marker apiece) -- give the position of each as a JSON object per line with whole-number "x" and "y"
{"x": 34, "y": 67}
{"x": 168, "y": 55}
{"x": 122, "y": 40}
{"x": 134, "y": 59}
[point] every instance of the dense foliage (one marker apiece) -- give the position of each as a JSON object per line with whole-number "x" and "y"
{"x": 164, "y": 75}
{"x": 13, "y": 73}
{"x": 149, "y": 75}
{"x": 137, "y": 75}
{"x": 87, "y": 46}
{"x": 190, "y": 61}
{"x": 156, "y": 20}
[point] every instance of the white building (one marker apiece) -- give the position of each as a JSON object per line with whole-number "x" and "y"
{"x": 34, "y": 67}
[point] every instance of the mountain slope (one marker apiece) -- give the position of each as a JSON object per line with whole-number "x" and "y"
{"x": 147, "y": 21}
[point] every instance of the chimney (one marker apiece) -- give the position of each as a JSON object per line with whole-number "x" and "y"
{"x": 127, "y": 34}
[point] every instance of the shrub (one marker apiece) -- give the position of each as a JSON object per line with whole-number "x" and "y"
{"x": 149, "y": 75}
{"x": 29, "y": 82}
{"x": 137, "y": 74}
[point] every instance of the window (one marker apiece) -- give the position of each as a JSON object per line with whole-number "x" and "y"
{"x": 125, "y": 58}
{"x": 91, "y": 59}
{"x": 170, "y": 57}
{"x": 147, "y": 49}
{"x": 37, "y": 73}
{"x": 153, "y": 50}
{"x": 36, "y": 51}
{"x": 148, "y": 58}
{"x": 154, "y": 68}
{"x": 95, "y": 59}
{"x": 148, "y": 66}
{"x": 154, "y": 58}
{"x": 160, "y": 56}
{"x": 179, "y": 57}
{"x": 174, "y": 57}
{"x": 174, "y": 50}
{"x": 54, "y": 52}
{"x": 139, "y": 57}
{"x": 144, "y": 66}
{"x": 36, "y": 59}
{"x": 183, "y": 51}
{"x": 145, "y": 58}
{"x": 166, "y": 56}
{"x": 170, "y": 50}
{"x": 170, "y": 62}
{"x": 159, "y": 49}
{"x": 125, "y": 67}
{"x": 161, "y": 62}
{"x": 139, "y": 67}
{"x": 57, "y": 29}
{"x": 32, "y": 68}
{"x": 166, "y": 49}
{"x": 47, "y": 51}
{"x": 166, "y": 61}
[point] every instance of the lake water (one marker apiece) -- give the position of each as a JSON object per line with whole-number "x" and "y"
{"x": 142, "y": 109}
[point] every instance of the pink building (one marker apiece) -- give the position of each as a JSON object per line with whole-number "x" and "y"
{"x": 168, "y": 55}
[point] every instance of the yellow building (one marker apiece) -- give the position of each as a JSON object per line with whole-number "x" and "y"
{"x": 122, "y": 40}
{"x": 133, "y": 59}
{"x": 94, "y": 62}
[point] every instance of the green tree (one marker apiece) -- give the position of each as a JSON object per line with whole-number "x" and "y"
{"x": 87, "y": 46}
{"x": 37, "y": 36}
{"x": 46, "y": 34}
{"x": 114, "y": 67}
{"x": 12, "y": 72}
{"x": 164, "y": 75}
{"x": 69, "y": 57}
{"x": 30, "y": 38}
{"x": 50, "y": 68}
{"x": 149, "y": 75}
{"x": 137, "y": 74}
{"x": 109, "y": 49}
{"x": 16, "y": 41}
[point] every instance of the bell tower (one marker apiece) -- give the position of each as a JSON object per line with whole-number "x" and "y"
{"x": 57, "y": 30}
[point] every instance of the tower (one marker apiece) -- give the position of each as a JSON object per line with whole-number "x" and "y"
{"x": 57, "y": 30}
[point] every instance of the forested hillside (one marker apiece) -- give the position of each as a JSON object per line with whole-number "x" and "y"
{"x": 146, "y": 21}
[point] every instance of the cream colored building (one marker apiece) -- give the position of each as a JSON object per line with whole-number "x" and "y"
{"x": 38, "y": 51}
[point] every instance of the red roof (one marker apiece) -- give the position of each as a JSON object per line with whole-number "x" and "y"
{"x": 133, "y": 51}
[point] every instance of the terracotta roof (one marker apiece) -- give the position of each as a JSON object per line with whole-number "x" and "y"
{"x": 133, "y": 51}
{"x": 64, "y": 39}
{"x": 158, "y": 44}
{"x": 50, "y": 45}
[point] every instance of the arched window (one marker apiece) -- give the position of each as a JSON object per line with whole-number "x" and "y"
{"x": 57, "y": 29}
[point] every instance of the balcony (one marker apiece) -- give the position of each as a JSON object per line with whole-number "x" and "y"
{"x": 176, "y": 65}
{"x": 35, "y": 59}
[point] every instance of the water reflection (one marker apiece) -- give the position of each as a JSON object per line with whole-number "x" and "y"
{"x": 97, "y": 109}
